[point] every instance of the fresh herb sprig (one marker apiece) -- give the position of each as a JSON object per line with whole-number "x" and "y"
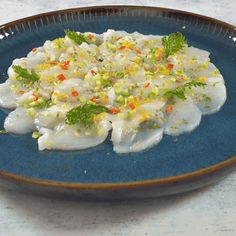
{"x": 77, "y": 38}
{"x": 24, "y": 75}
{"x": 179, "y": 92}
{"x": 173, "y": 43}
{"x": 84, "y": 114}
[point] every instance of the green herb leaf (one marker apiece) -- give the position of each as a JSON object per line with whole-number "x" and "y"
{"x": 24, "y": 75}
{"x": 173, "y": 43}
{"x": 36, "y": 135}
{"x": 3, "y": 132}
{"x": 84, "y": 114}
{"x": 42, "y": 104}
{"x": 194, "y": 84}
{"x": 77, "y": 38}
{"x": 179, "y": 92}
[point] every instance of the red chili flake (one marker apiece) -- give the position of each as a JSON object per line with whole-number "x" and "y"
{"x": 52, "y": 62}
{"x": 61, "y": 77}
{"x": 90, "y": 36}
{"x": 94, "y": 98}
{"x": 131, "y": 105}
{"x": 115, "y": 110}
{"x": 34, "y": 49}
{"x": 64, "y": 65}
{"x": 169, "y": 108}
{"x": 74, "y": 93}
{"x": 146, "y": 84}
{"x": 36, "y": 97}
{"x": 170, "y": 66}
{"x": 121, "y": 47}
{"x": 93, "y": 72}
{"x": 138, "y": 51}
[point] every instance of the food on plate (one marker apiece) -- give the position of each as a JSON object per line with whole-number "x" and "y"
{"x": 73, "y": 91}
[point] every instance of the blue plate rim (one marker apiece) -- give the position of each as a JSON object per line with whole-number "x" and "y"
{"x": 101, "y": 8}
{"x": 214, "y": 169}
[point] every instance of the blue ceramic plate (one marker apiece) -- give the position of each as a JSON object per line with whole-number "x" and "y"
{"x": 175, "y": 165}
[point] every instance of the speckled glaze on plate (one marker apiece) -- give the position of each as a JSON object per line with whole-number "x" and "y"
{"x": 175, "y": 165}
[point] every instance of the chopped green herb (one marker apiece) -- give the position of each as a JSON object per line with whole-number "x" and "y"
{"x": 174, "y": 127}
{"x": 105, "y": 81}
{"x": 40, "y": 104}
{"x": 58, "y": 115}
{"x": 118, "y": 74}
{"x": 84, "y": 114}
{"x": 77, "y": 38}
{"x": 206, "y": 98}
{"x": 153, "y": 125}
{"x": 24, "y": 75}
{"x": 147, "y": 72}
{"x": 185, "y": 121}
{"x": 58, "y": 42}
{"x": 194, "y": 83}
{"x": 3, "y": 132}
{"x": 36, "y": 135}
{"x": 110, "y": 46}
{"x": 173, "y": 43}
{"x": 179, "y": 92}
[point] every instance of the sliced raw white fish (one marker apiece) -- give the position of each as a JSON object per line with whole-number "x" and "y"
{"x": 107, "y": 36}
{"x": 68, "y": 85}
{"x": 190, "y": 60}
{"x": 210, "y": 98}
{"x": 130, "y": 136}
{"x": 51, "y": 50}
{"x": 68, "y": 138}
{"x": 152, "y": 106}
{"x": 28, "y": 96}
{"x": 19, "y": 122}
{"x": 32, "y": 52}
{"x": 51, "y": 117}
{"x": 111, "y": 95}
{"x": 138, "y": 76}
{"x": 184, "y": 117}
{"x": 66, "y": 88}
{"x": 127, "y": 139}
{"x": 7, "y": 97}
{"x": 20, "y": 61}
{"x": 200, "y": 54}
{"x": 11, "y": 73}
{"x": 28, "y": 62}
{"x": 88, "y": 48}
{"x": 212, "y": 74}
{"x": 39, "y": 58}
{"x": 98, "y": 37}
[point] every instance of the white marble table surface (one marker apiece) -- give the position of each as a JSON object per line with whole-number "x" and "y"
{"x": 207, "y": 212}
